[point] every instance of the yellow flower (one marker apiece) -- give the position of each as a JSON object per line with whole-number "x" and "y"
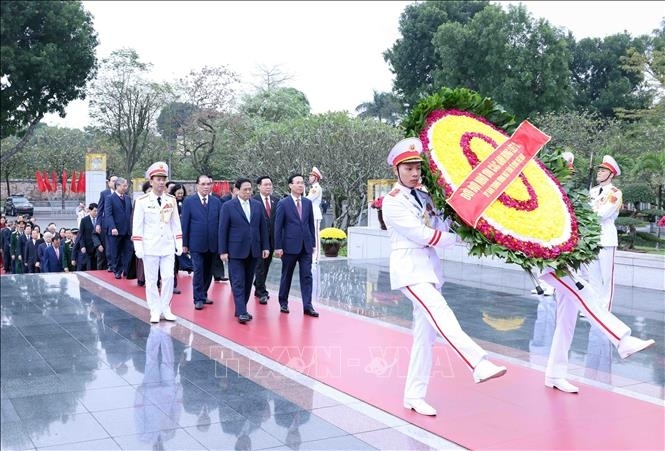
{"x": 332, "y": 234}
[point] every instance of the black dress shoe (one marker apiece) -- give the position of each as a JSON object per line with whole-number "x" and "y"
{"x": 198, "y": 305}
{"x": 283, "y": 309}
{"x": 218, "y": 279}
{"x": 263, "y": 300}
{"x": 208, "y": 301}
{"x": 242, "y": 319}
{"x": 176, "y": 291}
{"x": 223, "y": 279}
{"x": 118, "y": 276}
{"x": 140, "y": 283}
{"x": 311, "y": 312}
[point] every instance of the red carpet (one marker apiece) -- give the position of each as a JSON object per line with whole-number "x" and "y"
{"x": 369, "y": 361}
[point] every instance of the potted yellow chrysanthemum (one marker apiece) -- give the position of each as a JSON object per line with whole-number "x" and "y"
{"x": 332, "y": 239}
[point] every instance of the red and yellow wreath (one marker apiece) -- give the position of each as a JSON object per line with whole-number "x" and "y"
{"x": 536, "y": 221}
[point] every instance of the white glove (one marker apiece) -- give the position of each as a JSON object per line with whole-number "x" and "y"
{"x": 178, "y": 251}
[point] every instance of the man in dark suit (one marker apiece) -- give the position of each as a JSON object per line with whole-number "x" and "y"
{"x": 54, "y": 257}
{"x": 268, "y": 203}
{"x": 200, "y": 228}
{"x": 294, "y": 243}
{"x": 118, "y": 224}
{"x": 30, "y": 255}
{"x": 104, "y": 258}
{"x": 89, "y": 242}
{"x": 243, "y": 239}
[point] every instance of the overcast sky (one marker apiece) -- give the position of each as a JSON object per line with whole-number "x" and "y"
{"x": 332, "y": 50}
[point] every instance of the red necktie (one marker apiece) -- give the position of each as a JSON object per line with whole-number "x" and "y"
{"x": 268, "y": 207}
{"x": 299, "y": 208}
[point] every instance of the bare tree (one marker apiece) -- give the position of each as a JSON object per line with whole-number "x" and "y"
{"x": 124, "y": 104}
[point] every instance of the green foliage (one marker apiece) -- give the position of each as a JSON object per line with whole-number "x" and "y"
{"x": 461, "y": 99}
{"x": 653, "y": 214}
{"x": 600, "y": 82}
{"x": 589, "y": 227}
{"x": 385, "y": 107}
{"x": 276, "y": 105}
{"x": 412, "y": 58}
{"x": 638, "y": 192}
{"x": 48, "y": 56}
{"x": 173, "y": 118}
{"x": 512, "y": 57}
{"x": 349, "y": 151}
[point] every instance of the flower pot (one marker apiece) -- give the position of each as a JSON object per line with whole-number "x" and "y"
{"x": 379, "y": 215}
{"x": 331, "y": 249}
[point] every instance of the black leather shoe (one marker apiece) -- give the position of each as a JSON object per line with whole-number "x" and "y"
{"x": 209, "y": 301}
{"x": 263, "y": 300}
{"x": 223, "y": 279}
{"x": 198, "y": 305}
{"x": 118, "y": 276}
{"x": 283, "y": 309}
{"x": 176, "y": 291}
{"x": 140, "y": 283}
{"x": 311, "y": 312}
{"x": 242, "y": 319}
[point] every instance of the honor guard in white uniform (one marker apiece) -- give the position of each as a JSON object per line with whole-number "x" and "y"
{"x": 316, "y": 195}
{"x": 156, "y": 234}
{"x": 593, "y": 299}
{"x": 416, "y": 230}
{"x": 606, "y": 202}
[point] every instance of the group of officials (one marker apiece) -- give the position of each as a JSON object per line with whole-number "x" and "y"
{"x": 240, "y": 229}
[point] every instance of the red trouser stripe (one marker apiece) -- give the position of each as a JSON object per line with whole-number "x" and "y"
{"x": 435, "y": 239}
{"x": 609, "y": 307}
{"x": 438, "y": 328}
{"x": 574, "y": 292}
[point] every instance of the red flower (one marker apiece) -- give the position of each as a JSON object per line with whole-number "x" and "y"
{"x": 378, "y": 203}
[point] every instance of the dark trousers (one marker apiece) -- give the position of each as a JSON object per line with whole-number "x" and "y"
{"x": 202, "y": 276}
{"x": 241, "y": 273}
{"x": 304, "y": 261}
{"x": 121, "y": 249}
{"x": 102, "y": 261}
{"x": 217, "y": 268}
{"x": 262, "y": 267}
{"x": 86, "y": 262}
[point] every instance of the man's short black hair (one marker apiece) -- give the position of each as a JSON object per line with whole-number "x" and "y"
{"x": 262, "y": 178}
{"x": 292, "y": 176}
{"x": 240, "y": 181}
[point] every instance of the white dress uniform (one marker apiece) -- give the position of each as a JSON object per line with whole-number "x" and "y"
{"x": 594, "y": 299}
{"x": 606, "y": 201}
{"x": 156, "y": 234}
{"x": 416, "y": 230}
{"x": 316, "y": 196}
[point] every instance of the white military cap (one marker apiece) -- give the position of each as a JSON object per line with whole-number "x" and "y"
{"x": 157, "y": 168}
{"x": 568, "y": 157}
{"x": 611, "y": 165}
{"x": 407, "y": 150}
{"x": 315, "y": 172}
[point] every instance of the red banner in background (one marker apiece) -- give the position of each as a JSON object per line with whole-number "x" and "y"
{"x": 40, "y": 182}
{"x": 54, "y": 182}
{"x": 80, "y": 188}
{"x": 64, "y": 181}
{"x": 72, "y": 187}
{"x": 492, "y": 176}
{"x": 46, "y": 183}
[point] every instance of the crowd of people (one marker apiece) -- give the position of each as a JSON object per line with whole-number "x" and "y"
{"x": 165, "y": 230}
